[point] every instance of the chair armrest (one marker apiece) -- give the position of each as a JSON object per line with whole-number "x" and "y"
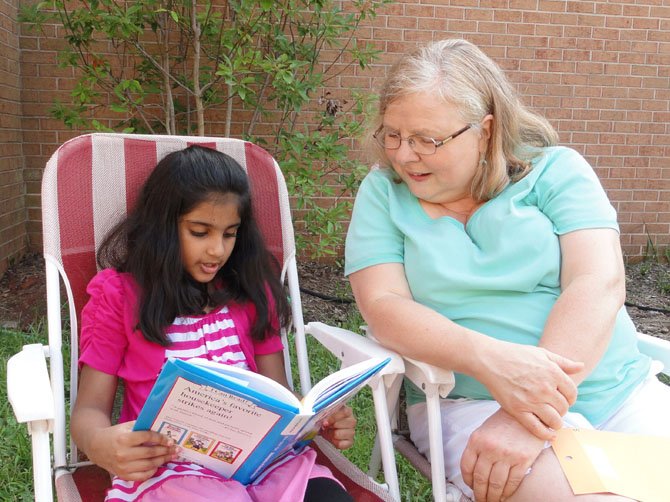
{"x": 28, "y": 385}
{"x": 656, "y": 348}
{"x": 352, "y": 348}
{"x": 424, "y": 375}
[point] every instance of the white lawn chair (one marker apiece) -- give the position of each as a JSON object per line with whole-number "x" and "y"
{"x": 88, "y": 184}
{"x": 436, "y": 383}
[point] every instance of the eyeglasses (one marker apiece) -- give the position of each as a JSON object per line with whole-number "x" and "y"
{"x": 422, "y": 145}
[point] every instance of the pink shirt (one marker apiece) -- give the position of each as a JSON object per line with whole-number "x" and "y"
{"x": 109, "y": 341}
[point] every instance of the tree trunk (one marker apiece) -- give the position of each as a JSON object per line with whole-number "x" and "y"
{"x": 197, "y": 91}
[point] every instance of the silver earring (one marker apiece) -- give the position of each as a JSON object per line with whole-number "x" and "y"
{"x": 482, "y": 162}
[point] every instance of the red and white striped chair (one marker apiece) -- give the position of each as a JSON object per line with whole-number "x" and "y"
{"x": 88, "y": 185}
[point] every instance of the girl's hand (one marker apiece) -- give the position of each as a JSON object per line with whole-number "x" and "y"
{"x": 339, "y": 428}
{"x": 532, "y": 384}
{"x": 130, "y": 455}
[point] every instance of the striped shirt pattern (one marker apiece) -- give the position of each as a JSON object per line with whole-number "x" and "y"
{"x": 210, "y": 336}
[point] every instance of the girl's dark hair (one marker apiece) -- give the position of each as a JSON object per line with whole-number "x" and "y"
{"x": 146, "y": 245}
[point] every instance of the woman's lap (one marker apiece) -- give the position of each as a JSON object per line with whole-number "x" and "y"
{"x": 647, "y": 411}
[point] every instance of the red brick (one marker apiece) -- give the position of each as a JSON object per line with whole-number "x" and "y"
{"x": 639, "y": 35}
{"x": 504, "y": 15}
{"x": 646, "y": 23}
{"x": 636, "y": 10}
{"x": 449, "y": 12}
{"x": 608, "y": 9}
{"x": 555, "y": 32}
{"x": 414, "y": 10}
{"x": 552, "y": 6}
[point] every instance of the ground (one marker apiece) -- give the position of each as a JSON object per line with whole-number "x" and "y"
{"x": 22, "y": 294}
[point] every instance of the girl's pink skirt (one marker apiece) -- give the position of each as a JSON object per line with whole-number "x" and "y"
{"x": 283, "y": 481}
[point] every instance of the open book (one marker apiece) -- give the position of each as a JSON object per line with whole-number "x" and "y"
{"x": 237, "y": 422}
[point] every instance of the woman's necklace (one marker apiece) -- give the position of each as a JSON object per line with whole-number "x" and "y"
{"x": 462, "y": 216}
{"x": 460, "y": 213}
{"x": 436, "y": 210}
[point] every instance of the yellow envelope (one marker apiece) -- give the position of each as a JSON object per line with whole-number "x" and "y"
{"x": 632, "y": 465}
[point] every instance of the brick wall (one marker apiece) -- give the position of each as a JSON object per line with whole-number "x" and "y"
{"x": 599, "y": 71}
{"x": 13, "y": 241}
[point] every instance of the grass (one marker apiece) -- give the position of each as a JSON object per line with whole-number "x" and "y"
{"x": 15, "y": 450}
{"x": 16, "y": 482}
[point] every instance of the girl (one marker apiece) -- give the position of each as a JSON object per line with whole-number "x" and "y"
{"x": 187, "y": 276}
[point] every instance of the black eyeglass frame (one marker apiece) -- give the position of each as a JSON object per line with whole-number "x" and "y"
{"x": 380, "y": 140}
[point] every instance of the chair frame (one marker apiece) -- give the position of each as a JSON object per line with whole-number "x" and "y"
{"x": 38, "y": 396}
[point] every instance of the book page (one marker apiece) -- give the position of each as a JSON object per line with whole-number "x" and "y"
{"x": 326, "y": 396}
{"x": 214, "y": 428}
{"x": 255, "y": 381}
{"x": 342, "y": 384}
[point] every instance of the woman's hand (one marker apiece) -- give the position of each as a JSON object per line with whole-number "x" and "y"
{"x": 339, "y": 428}
{"x": 498, "y": 456}
{"x": 130, "y": 455}
{"x": 531, "y": 383}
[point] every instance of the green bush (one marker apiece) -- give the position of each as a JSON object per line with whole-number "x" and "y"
{"x": 163, "y": 66}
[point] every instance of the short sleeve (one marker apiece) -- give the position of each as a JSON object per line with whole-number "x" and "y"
{"x": 269, "y": 345}
{"x": 103, "y": 340}
{"x": 272, "y": 342}
{"x": 569, "y": 193}
{"x": 373, "y": 237}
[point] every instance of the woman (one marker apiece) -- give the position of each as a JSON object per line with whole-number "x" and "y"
{"x": 483, "y": 248}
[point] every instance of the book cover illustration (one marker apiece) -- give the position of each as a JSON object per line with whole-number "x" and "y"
{"x": 216, "y": 429}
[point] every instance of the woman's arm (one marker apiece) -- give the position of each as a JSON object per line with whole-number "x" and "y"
{"x": 579, "y": 326}
{"x": 133, "y": 456}
{"x": 581, "y": 322}
{"x": 529, "y": 382}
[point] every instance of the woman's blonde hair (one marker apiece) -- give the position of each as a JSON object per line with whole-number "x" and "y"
{"x": 458, "y": 72}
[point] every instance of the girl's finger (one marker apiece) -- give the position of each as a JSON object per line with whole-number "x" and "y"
{"x": 347, "y": 423}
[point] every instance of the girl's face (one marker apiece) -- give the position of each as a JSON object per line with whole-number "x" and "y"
{"x": 207, "y": 236}
{"x": 445, "y": 176}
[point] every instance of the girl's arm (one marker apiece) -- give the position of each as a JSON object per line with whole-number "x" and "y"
{"x": 272, "y": 366}
{"x": 133, "y": 456}
{"x": 339, "y": 428}
{"x": 531, "y": 383}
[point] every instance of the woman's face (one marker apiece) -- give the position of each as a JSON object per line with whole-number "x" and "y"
{"x": 446, "y": 175}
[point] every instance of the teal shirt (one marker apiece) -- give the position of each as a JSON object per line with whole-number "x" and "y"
{"x": 500, "y": 273}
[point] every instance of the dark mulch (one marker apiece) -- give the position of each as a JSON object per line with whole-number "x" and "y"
{"x": 327, "y": 297}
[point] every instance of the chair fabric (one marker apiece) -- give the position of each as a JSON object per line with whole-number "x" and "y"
{"x": 92, "y": 180}
{"x": 88, "y": 186}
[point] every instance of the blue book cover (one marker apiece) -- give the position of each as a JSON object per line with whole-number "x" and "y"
{"x": 236, "y": 422}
